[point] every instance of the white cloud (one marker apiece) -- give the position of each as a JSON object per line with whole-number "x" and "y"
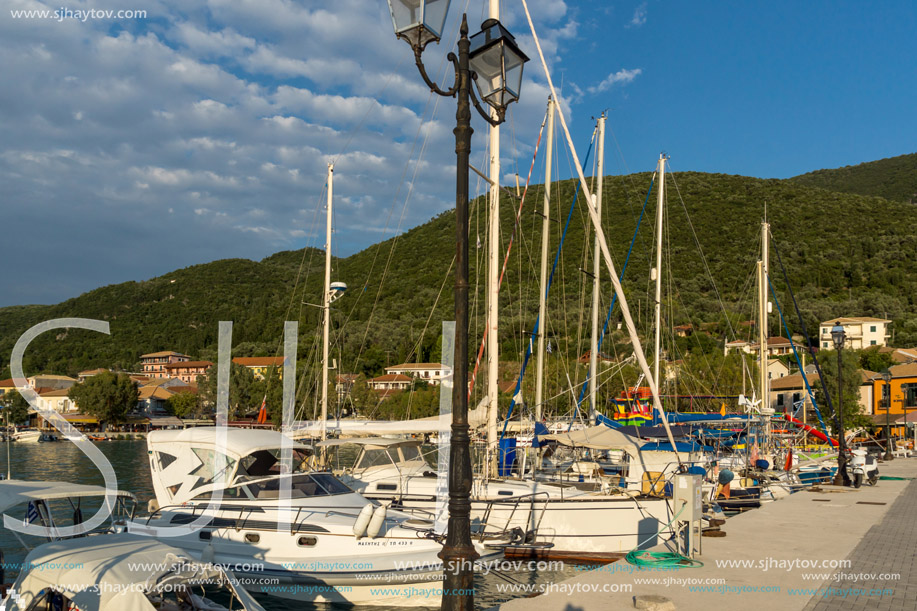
{"x": 639, "y": 17}
{"x": 621, "y": 77}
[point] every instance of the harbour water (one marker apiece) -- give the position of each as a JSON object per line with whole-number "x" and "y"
{"x": 63, "y": 461}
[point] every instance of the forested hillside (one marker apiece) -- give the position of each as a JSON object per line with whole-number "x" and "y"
{"x": 894, "y": 178}
{"x": 845, "y": 254}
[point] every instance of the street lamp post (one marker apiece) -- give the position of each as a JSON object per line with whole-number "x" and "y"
{"x": 840, "y": 478}
{"x": 493, "y": 60}
{"x": 887, "y": 376}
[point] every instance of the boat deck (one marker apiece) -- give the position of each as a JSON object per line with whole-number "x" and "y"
{"x": 863, "y": 544}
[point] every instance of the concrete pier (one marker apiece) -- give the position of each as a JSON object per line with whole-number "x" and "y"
{"x": 837, "y": 548}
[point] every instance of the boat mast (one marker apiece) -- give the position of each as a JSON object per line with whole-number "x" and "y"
{"x": 542, "y": 295}
{"x": 493, "y": 267}
{"x": 657, "y": 271}
{"x": 326, "y": 303}
{"x": 762, "y": 326}
{"x": 596, "y": 271}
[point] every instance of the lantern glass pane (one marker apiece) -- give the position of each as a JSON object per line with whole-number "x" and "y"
{"x": 419, "y": 21}
{"x": 488, "y": 69}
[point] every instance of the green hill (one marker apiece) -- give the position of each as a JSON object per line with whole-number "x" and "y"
{"x": 846, "y": 254}
{"x": 894, "y": 178}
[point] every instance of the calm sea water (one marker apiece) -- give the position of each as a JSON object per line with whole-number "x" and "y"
{"x": 62, "y": 461}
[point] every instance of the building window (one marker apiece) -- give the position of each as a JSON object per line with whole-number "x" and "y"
{"x": 872, "y": 342}
{"x": 824, "y": 344}
{"x": 910, "y": 394}
{"x": 872, "y": 329}
{"x": 780, "y": 400}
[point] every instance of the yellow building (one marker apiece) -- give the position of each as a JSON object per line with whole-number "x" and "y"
{"x": 261, "y": 366}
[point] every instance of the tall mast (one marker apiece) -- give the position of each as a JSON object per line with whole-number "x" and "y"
{"x": 657, "y": 271}
{"x": 762, "y": 318}
{"x": 596, "y": 271}
{"x": 542, "y": 295}
{"x": 493, "y": 299}
{"x": 326, "y": 302}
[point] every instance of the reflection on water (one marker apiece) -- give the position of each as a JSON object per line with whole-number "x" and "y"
{"x": 63, "y": 461}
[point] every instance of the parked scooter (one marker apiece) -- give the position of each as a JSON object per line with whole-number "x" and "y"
{"x": 862, "y": 467}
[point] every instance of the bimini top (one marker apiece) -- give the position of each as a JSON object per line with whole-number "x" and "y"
{"x": 598, "y": 437}
{"x": 15, "y": 491}
{"x": 113, "y": 573}
{"x": 368, "y": 442}
{"x": 240, "y": 442}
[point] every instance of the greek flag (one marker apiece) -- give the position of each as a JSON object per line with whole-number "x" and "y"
{"x": 31, "y": 513}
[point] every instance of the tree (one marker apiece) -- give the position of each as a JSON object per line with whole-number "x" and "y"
{"x": 242, "y": 392}
{"x": 184, "y": 404}
{"x": 107, "y": 396}
{"x": 850, "y": 375}
{"x": 17, "y": 408}
{"x": 873, "y": 360}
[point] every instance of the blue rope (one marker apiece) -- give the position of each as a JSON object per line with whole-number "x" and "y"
{"x": 614, "y": 297}
{"x": 798, "y": 361}
{"x": 529, "y": 349}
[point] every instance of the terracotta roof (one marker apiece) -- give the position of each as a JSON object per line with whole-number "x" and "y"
{"x": 259, "y": 361}
{"x": 155, "y": 392}
{"x": 347, "y": 378}
{"x": 188, "y": 364}
{"x": 60, "y": 392}
{"x": 8, "y": 383}
{"x": 51, "y": 376}
{"x": 779, "y": 340}
{"x": 792, "y": 382}
{"x": 178, "y": 389}
{"x": 393, "y": 377}
{"x": 416, "y": 366}
{"x": 92, "y": 372}
{"x": 905, "y": 370}
{"x": 163, "y": 353}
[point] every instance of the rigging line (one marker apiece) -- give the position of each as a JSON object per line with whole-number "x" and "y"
{"x": 509, "y": 250}
{"x": 796, "y": 354}
{"x": 716, "y": 290}
{"x": 528, "y": 349}
{"x": 805, "y": 333}
{"x": 582, "y": 394}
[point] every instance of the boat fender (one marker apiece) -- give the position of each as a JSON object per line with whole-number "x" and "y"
{"x": 725, "y": 476}
{"x": 359, "y": 527}
{"x": 377, "y": 522}
{"x": 152, "y": 506}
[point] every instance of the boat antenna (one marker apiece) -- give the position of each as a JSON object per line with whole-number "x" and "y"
{"x": 6, "y": 419}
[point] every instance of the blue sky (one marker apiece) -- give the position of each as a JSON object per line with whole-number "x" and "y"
{"x": 130, "y": 147}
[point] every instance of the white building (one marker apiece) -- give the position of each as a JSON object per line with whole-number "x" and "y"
{"x": 862, "y": 332}
{"x": 431, "y": 373}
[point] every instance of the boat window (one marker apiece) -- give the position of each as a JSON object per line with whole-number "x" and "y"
{"x": 232, "y": 493}
{"x": 411, "y": 453}
{"x": 307, "y": 541}
{"x": 164, "y": 459}
{"x": 252, "y": 537}
{"x": 301, "y": 486}
{"x": 386, "y": 486}
{"x": 267, "y": 462}
{"x": 374, "y": 458}
{"x": 213, "y": 468}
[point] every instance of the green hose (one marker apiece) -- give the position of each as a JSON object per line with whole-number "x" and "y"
{"x": 659, "y": 559}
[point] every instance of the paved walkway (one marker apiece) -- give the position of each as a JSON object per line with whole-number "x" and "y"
{"x": 778, "y": 557}
{"x": 883, "y": 567}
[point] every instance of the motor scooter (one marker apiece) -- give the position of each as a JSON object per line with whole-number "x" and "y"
{"x": 862, "y": 467}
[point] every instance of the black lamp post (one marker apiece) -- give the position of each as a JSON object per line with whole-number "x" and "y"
{"x": 887, "y": 376}
{"x": 840, "y": 478}
{"x": 494, "y": 61}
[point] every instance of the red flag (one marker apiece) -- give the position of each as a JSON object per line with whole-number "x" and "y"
{"x": 262, "y": 413}
{"x": 789, "y": 460}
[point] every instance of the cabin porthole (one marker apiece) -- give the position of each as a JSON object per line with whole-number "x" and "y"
{"x": 252, "y": 537}
{"x": 306, "y": 541}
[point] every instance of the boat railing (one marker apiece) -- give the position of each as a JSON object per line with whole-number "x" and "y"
{"x": 514, "y": 502}
{"x": 247, "y": 518}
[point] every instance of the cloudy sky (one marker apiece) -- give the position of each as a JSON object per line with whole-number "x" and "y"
{"x": 202, "y": 130}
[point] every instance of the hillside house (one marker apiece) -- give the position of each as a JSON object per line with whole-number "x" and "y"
{"x": 188, "y": 371}
{"x": 897, "y": 398}
{"x": 862, "y": 332}
{"x": 262, "y": 366}
{"x": 155, "y": 362}
{"x": 391, "y": 381}
{"x": 431, "y": 373}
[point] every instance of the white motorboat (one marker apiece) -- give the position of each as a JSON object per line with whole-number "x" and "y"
{"x": 122, "y": 573}
{"x": 545, "y": 514}
{"x": 26, "y": 436}
{"x": 327, "y": 543}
